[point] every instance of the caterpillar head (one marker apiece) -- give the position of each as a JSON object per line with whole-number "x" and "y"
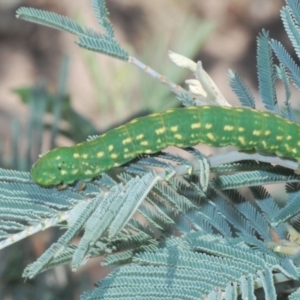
{"x": 53, "y": 168}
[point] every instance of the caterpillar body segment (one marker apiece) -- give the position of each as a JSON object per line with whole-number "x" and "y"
{"x": 216, "y": 126}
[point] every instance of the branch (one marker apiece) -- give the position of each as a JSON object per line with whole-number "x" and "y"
{"x": 235, "y": 156}
{"x": 177, "y": 89}
{"x": 230, "y": 157}
{"x": 30, "y": 230}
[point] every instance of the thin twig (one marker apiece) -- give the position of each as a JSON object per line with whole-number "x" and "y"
{"x": 234, "y": 156}
{"x": 177, "y": 89}
{"x": 230, "y": 157}
{"x": 30, "y": 230}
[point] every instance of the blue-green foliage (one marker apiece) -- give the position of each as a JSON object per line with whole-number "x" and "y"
{"x": 102, "y": 15}
{"x": 88, "y": 38}
{"x": 266, "y": 72}
{"x": 286, "y": 59}
{"x": 289, "y": 21}
{"x": 241, "y": 90}
{"x": 221, "y": 265}
{"x": 198, "y": 238}
{"x": 295, "y": 295}
{"x": 285, "y": 78}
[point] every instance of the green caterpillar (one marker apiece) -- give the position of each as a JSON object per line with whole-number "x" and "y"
{"x": 216, "y": 126}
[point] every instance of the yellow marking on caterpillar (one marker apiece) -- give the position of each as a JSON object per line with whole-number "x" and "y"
{"x": 114, "y": 156}
{"x": 268, "y": 132}
{"x": 208, "y": 125}
{"x": 241, "y": 129}
{"x": 298, "y": 144}
{"x": 85, "y": 156}
{"x": 294, "y": 150}
{"x": 148, "y": 151}
{"x": 289, "y": 137}
{"x": 174, "y": 128}
{"x": 88, "y": 172}
{"x": 74, "y": 172}
{"x": 264, "y": 144}
{"x": 110, "y": 147}
{"x": 126, "y": 141}
{"x": 256, "y": 132}
{"x": 266, "y": 115}
{"x": 228, "y": 127}
{"x": 144, "y": 143}
{"x": 133, "y": 121}
{"x": 170, "y": 111}
{"x": 196, "y": 125}
{"x": 63, "y": 172}
{"x": 242, "y": 140}
{"x": 140, "y": 136}
{"x": 204, "y": 107}
{"x": 76, "y": 155}
{"x": 279, "y": 137}
{"x": 287, "y": 147}
{"x": 211, "y": 136}
{"x": 154, "y": 115}
{"x": 178, "y": 136}
{"x": 58, "y": 157}
{"x": 100, "y": 154}
{"x": 158, "y": 140}
{"x": 126, "y": 150}
{"x": 160, "y": 130}
{"x": 239, "y": 109}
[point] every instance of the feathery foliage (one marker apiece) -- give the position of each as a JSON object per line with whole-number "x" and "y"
{"x": 241, "y": 90}
{"x": 88, "y": 38}
{"x": 266, "y": 72}
{"x": 171, "y": 230}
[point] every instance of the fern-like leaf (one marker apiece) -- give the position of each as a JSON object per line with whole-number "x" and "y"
{"x": 287, "y": 212}
{"x": 54, "y": 20}
{"x": 292, "y": 29}
{"x": 241, "y": 90}
{"x": 286, "y": 59}
{"x": 266, "y": 72}
{"x": 284, "y": 77}
{"x": 294, "y": 10}
{"x": 254, "y": 178}
{"x": 102, "y": 14}
{"x": 109, "y": 47}
{"x": 268, "y": 284}
{"x": 295, "y": 295}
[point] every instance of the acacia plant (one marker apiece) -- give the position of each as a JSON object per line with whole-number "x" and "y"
{"x": 171, "y": 229}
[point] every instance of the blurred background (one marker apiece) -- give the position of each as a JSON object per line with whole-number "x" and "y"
{"x": 52, "y": 93}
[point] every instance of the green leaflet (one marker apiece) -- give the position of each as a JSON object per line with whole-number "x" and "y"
{"x": 216, "y": 126}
